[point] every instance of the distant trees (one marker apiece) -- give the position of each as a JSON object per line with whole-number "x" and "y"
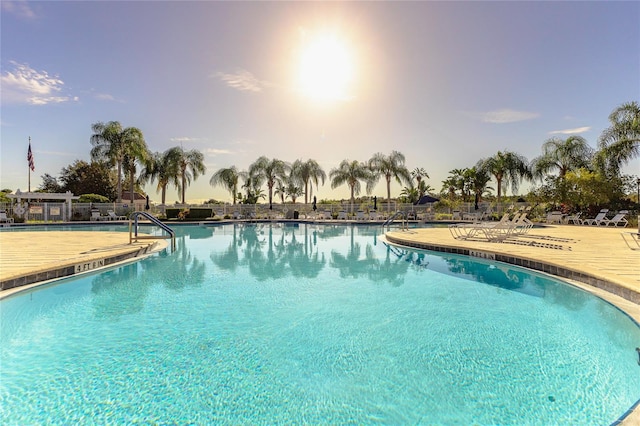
{"x": 562, "y": 155}
{"x": 351, "y": 173}
{"x": 271, "y": 171}
{"x": 191, "y": 166}
{"x": 620, "y": 142}
{"x": 508, "y": 169}
{"x": 114, "y": 144}
{"x": 389, "y": 166}
{"x": 81, "y": 178}
{"x": 308, "y": 172}
{"x": 165, "y": 168}
{"x": 228, "y": 178}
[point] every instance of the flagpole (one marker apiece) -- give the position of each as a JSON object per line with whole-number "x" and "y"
{"x": 29, "y": 165}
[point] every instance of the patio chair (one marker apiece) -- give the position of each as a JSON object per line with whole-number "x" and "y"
{"x": 360, "y": 215}
{"x": 111, "y": 215}
{"x": 95, "y": 215}
{"x": 574, "y": 219}
{"x": 4, "y": 218}
{"x": 596, "y": 220}
{"x": 342, "y": 215}
{"x": 237, "y": 215}
{"x": 555, "y": 217}
{"x": 619, "y": 218}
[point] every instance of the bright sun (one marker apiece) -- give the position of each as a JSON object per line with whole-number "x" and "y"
{"x": 325, "y": 69}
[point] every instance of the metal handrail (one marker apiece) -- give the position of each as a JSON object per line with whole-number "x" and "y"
{"x": 400, "y": 213}
{"x": 133, "y": 229}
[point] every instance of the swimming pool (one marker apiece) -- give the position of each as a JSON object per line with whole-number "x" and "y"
{"x": 305, "y": 323}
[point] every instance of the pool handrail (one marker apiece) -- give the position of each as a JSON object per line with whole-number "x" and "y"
{"x": 389, "y": 221}
{"x": 133, "y": 229}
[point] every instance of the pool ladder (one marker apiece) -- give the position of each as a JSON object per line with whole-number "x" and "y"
{"x": 133, "y": 229}
{"x": 404, "y": 225}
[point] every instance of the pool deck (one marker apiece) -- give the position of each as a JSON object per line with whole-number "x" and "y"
{"x": 604, "y": 261}
{"x": 31, "y": 257}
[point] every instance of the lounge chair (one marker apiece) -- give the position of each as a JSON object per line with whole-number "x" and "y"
{"x": 596, "y": 220}
{"x": 95, "y": 216}
{"x": 237, "y": 215}
{"x": 555, "y": 217}
{"x": 619, "y": 218}
{"x": 4, "y": 218}
{"x": 111, "y": 215}
{"x": 574, "y": 218}
{"x": 342, "y": 215}
{"x": 360, "y": 215}
{"x": 492, "y": 231}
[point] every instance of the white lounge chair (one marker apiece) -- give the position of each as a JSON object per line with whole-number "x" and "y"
{"x": 4, "y": 218}
{"x": 111, "y": 215}
{"x": 574, "y": 218}
{"x": 619, "y": 218}
{"x": 95, "y": 216}
{"x": 596, "y": 220}
{"x": 360, "y": 215}
{"x": 555, "y": 217}
{"x": 342, "y": 215}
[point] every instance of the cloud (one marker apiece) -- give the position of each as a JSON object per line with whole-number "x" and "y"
{"x": 502, "y": 116}
{"x": 19, "y": 8}
{"x": 216, "y": 151}
{"x": 571, "y": 131}
{"x": 186, "y": 139}
{"x": 243, "y": 80}
{"x": 24, "y": 85}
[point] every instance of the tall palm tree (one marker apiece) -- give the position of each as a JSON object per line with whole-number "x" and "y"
{"x": 228, "y": 178}
{"x": 308, "y": 172}
{"x": 135, "y": 154}
{"x": 508, "y": 168}
{"x": 271, "y": 171}
{"x": 191, "y": 165}
{"x": 113, "y": 143}
{"x": 163, "y": 167}
{"x": 620, "y": 142}
{"x": 418, "y": 173}
{"x": 391, "y": 166}
{"x": 351, "y": 173}
{"x": 562, "y": 155}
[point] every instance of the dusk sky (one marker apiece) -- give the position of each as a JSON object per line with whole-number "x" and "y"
{"x": 445, "y": 83}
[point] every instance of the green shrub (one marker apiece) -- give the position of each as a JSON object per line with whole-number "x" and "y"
{"x": 194, "y": 213}
{"x": 92, "y": 198}
{"x": 199, "y": 213}
{"x": 172, "y": 213}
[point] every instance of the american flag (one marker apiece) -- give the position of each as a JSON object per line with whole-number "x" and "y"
{"x": 32, "y": 165}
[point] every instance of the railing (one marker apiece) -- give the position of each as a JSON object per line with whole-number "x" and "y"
{"x": 133, "y": 229}
{"x": 400, "y": 213}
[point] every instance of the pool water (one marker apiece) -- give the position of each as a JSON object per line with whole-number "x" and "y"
{"x": 313, "y": 324}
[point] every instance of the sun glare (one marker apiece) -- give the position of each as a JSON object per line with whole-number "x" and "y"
{"x": 325, "y": 69}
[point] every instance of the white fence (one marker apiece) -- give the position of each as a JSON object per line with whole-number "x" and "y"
{"x": 57, "y": 211}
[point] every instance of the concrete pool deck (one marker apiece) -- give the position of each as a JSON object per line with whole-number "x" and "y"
{"x": 597, "y": 259}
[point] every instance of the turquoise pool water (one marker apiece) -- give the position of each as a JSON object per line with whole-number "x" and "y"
{"x": 311, "y": 324}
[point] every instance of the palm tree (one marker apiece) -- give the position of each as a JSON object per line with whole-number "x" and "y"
{"x": 562, "y": 155}
{"x": 390, "y": 166}
{"x": 620, "y": 142}
{"x": 191, "y": 165}
{"x": 351, "y": 173}
{"x": 508, "y": 168}
{"x": 135, "y": 154}
{"x": 308, "y": 172}
{"x": 112, "y": 143}
{"x": 478, "y": 180}
{"x": 164, "y": 167}
{"x": 418, "y": 173}
{"x": 228, "y": 178}
{"x": 271, "y": 171}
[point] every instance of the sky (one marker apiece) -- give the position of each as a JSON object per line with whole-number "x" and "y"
{"x": 444, "y": 83}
